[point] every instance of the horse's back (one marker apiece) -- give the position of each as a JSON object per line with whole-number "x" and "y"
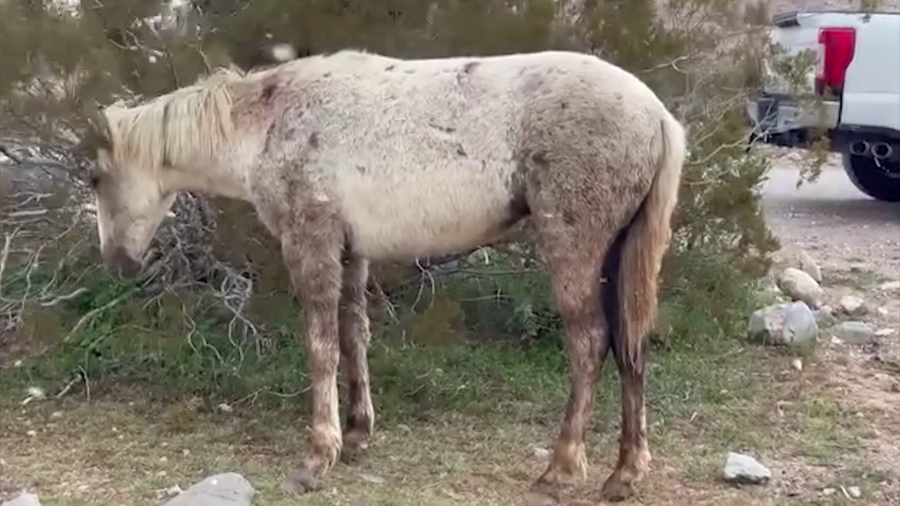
{"x": 428, "y": 156}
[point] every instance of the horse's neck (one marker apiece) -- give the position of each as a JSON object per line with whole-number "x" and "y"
{"x": 220, "y": 180}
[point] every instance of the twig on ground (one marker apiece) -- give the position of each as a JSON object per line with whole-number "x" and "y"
{"x": 94, "y": 312}
{"x": 4, "y": 256}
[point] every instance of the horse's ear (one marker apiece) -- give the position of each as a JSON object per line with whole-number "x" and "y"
{"x": 96, "y": 135}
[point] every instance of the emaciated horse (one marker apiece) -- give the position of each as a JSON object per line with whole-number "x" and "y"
{"x": 356, "y": 157}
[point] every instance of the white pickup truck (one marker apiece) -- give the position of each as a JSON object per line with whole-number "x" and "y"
{"x": 857, "y": 78}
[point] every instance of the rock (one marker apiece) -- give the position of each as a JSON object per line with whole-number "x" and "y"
{"x": 541, "y": 453}
{"x": 828, "y": 491}
{"x": 23, "y": 499}
{"x": 809, "y": 266}
{"x": 853, "y": 305}
{"x": 789, "y": 324}
{"x": 799, "y": 285}
{"x": 854, "y": 492}
{"x": 885, "y": 332}
{"x": 229, "y": 489}
{"x": 825, "y": 317}
{"x": 890, "y": 286}
{"x": 173, "y": 491}
{"x": 854, "y": 332}
{"x": 745, "y": 469}
{"x": 797, "y": 364}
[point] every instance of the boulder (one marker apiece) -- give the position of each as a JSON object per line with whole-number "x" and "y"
{"x": 789, "y": 324}
{"x": 800, "y": 286}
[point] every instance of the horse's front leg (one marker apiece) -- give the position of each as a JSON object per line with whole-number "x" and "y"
{"x": 354, "y": 337}
{"x": 312, "y": 252}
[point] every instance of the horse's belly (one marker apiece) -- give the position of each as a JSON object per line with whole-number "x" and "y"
{"x": 402, "y": 216}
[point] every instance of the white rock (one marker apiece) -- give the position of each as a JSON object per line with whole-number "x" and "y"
{"x": 854, "y": 492}
{"x": 885, "y": 332}
{"x": 745, "y": 469}
{"x": 809, "y": 266}
{"x": 229, "y": 489}
{"x": 800, "y": 286}
{"x": 797, "y": 364}
{"x": 789, "y": 324}
{"x": 541, "y": 453}
{"x": 854, "y": 332}
{"x": 828, "y": 491}
{"x": 890, "y": 286}
{"x": 853, "y": 305}
{"x": 23, "y": 499}
{"x": 225, "y": 408}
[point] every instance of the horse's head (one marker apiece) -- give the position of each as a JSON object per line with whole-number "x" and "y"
{"x": 131, "y": 199}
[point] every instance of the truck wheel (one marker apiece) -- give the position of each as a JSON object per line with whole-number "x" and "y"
{"x": 879, "y": 182}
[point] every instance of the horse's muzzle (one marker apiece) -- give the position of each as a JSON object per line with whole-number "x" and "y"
{"x": 120, "y": 263}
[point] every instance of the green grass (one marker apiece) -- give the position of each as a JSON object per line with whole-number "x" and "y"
{"x": 455, "y": 417}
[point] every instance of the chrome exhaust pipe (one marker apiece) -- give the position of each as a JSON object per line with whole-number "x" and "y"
{"x": 859, "y": 148}
{"x": 882, "y": 150}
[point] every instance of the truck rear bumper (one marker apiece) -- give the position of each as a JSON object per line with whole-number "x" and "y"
{"x": 780, "y": 120}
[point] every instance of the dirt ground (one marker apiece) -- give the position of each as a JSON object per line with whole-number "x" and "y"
{"x": 822, "y": 431}
{"x": 856, "y": 242}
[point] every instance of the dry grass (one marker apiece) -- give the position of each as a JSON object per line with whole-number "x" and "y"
{"x": 120, "y": 451}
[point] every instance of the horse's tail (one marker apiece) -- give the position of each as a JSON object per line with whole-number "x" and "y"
{"x": 646, "y": 240}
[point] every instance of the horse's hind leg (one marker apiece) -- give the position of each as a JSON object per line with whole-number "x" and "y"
{"x": 634, "y": 452}
{"x": 354, "y": 337}
{"x": 573, "y": 249}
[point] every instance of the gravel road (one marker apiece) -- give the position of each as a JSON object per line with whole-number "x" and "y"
{"x": 841, "y": 226}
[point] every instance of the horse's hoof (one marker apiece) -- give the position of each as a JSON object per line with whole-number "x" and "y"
{"x": 301, "y": 482}
{"x": 353, "y": 454}
{"x": 615, "y": 489}
{"x": 355, "y": 445}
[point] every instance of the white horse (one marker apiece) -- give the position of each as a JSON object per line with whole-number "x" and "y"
{"x": 355, "y": 157}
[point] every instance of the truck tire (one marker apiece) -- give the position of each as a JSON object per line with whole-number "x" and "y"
{"x": 880, "y": 183}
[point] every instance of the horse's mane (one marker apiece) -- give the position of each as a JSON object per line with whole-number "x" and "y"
{"x": 183, "y": 127}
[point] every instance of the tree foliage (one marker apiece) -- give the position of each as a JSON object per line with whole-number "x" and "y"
{"x": 700, "y": 56}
